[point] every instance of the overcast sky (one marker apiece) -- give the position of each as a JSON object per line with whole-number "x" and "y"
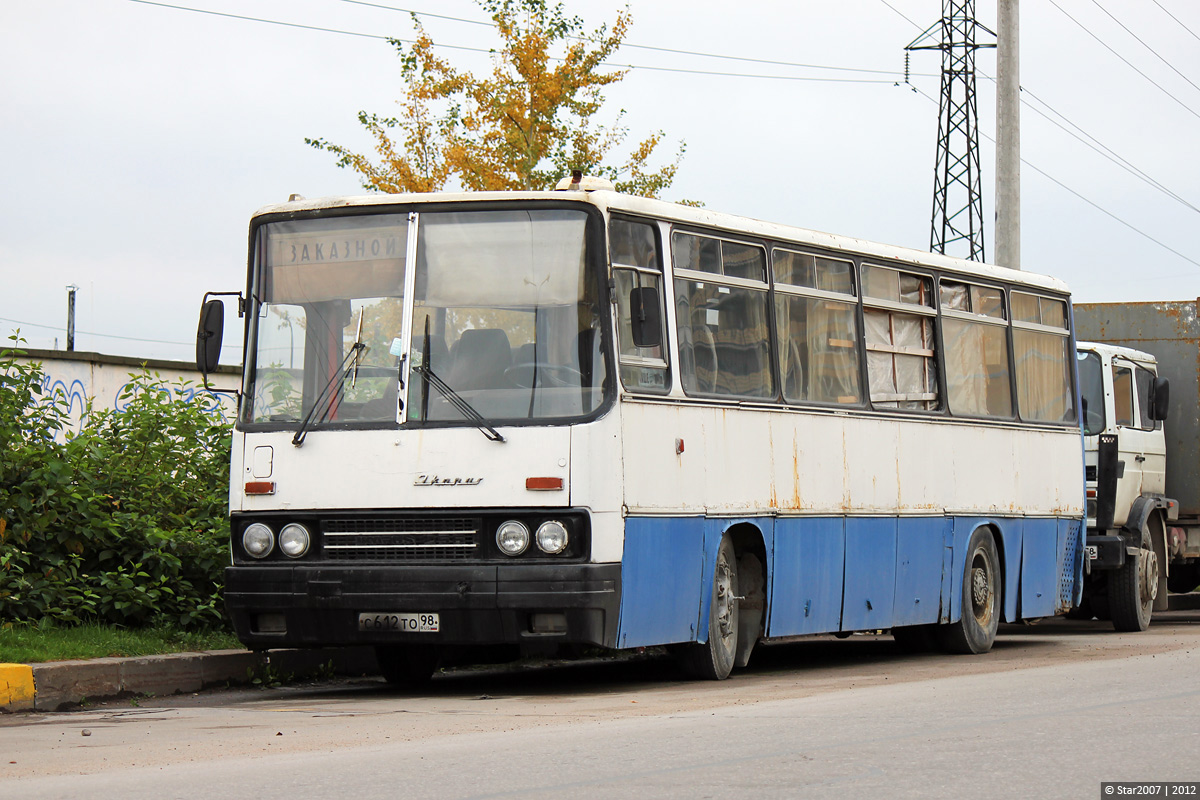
{"x": 138, "y": 139}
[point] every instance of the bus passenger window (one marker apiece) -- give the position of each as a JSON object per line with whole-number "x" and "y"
{"x": 1041, "y": 353}
{"x": 898, "y": 317}
{"x": 975, "y": 336}
{"x": 724, "y": 336}
{"x": 818, "y": 334}
{"x": 634, "y": 252}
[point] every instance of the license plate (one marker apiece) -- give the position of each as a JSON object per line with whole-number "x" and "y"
{"x": 1093, "y": 552}
{"x": 424, "y": 622}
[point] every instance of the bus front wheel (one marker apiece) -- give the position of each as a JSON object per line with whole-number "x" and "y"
{"x": 713, "y": 660}
{"x": 975, "y": 631}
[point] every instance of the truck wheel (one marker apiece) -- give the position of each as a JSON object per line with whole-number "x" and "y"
{"x": 975, "y": 631}
{"x": 407, "y": 665}
{"x": 1133, "y": 587}
{"x": 713, "y": 660}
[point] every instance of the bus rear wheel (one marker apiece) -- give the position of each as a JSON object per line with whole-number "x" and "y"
{"x": 975, "y": 631}
{"x": 407, "y": 665}
{"x": 1133, "y": 587}
{"x": 713, "y": 660}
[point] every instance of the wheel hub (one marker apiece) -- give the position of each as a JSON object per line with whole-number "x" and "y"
{"x": 1148, "y": 576}
{"x": 980, "y": 590}
{"x": 724, "y": 599}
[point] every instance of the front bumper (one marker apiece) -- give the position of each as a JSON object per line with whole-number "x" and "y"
{"x": 315, "y": 606}
{"x": 1109, "y": 552}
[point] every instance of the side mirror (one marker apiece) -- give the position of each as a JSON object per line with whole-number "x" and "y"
{"x": 645, "y": 317}
{"x": 1160, "y": 399}
{"x": 208, "y": 336}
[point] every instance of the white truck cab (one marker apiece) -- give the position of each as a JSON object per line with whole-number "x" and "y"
{"x": 1124, "y": 405}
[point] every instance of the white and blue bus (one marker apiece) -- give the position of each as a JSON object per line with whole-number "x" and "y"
{"x": 579, "y": 417}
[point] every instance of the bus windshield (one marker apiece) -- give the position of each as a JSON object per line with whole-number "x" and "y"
{"x": 505, "y": 319}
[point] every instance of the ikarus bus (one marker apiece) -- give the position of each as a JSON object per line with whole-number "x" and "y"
{"x": 582, "y": 418}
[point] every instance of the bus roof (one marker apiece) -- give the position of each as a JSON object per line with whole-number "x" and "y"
{"x": 701, "y": 217}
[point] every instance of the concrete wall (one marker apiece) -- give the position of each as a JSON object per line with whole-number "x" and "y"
{"x": 76, "y": 376}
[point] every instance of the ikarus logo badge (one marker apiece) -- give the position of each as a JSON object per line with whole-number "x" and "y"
{"x": 437, "y": 480}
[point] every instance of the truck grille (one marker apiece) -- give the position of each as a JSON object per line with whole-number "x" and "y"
{"x": 401, "y": 540}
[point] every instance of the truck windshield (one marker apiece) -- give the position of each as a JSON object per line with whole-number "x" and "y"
{"x": 1091, "y": 384}
{"x": 506, "y": 314}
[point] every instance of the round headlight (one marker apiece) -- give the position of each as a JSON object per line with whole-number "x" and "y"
{"x": 257, "y": 540}
{"x": 512, "y": 538}
{"x": 294, "y": 540}
{"x": 552, "y": 537}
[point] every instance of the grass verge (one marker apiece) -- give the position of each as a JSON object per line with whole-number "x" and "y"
{"x": 26, "y": 644}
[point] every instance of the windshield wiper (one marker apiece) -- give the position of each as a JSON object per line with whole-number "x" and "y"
{"x": 456, "y": 400}
{"x": 326, "y": 397}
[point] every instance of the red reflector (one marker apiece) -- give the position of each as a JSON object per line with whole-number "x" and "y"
{"x": 260, "y": 487}
{"x": 1091, "y": 493}
{"x": 543, "y": 484}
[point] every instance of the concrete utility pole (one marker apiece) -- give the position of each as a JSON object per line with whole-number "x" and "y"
{"x": 1008, "y": 136}
{"x": 71, "y": 290}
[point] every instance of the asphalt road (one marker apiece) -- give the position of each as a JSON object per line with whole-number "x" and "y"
{"x": 1052, "y": 711}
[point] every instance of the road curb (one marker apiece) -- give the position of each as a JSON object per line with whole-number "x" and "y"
{"x": 16, "y": 687}
{"x": 58, "y": 685}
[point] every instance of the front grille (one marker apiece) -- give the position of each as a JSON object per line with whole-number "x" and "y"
{"x": 401, "y": 540}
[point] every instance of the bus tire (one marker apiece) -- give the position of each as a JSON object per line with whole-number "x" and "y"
{"x": 407, "y": 665}
{"x": 713, "y": 660}
{"x": 1133, "y": 587}
{"x": 975, "y": 631}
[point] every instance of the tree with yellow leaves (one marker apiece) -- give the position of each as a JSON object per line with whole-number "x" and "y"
{"x": 524, "y": 126}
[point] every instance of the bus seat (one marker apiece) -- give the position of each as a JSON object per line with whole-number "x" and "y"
{"x": 480, "y": 358}
{"x": 440, "y": 361}
{"x": 526, "y": 354}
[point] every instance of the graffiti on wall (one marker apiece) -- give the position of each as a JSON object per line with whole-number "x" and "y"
{"x": 75, "y": 383}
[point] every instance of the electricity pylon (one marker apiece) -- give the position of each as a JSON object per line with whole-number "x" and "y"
{"x": 957, "y": 192}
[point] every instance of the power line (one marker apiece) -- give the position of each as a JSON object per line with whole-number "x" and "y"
{"x": 1103, "y": 150}
{"x": 1172, "y": 16}
{"x": 1091, "y": 203}
{"x": 1126, "y": 61}
{"x": 1124, "y": 163}
{"x": 112, "y": 335}
{"x": 1153, "y": 52}
{"x": 697, "y": 53}
{"x": 481, "y": 50}
{"x": 1095, "y": 144}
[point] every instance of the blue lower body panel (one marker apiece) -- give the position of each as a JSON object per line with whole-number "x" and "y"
{"x": 829, "y": 574}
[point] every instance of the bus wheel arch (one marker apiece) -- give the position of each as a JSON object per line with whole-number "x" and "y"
{"x": 981, "y": 595}
{"x": 737, "y": 607}
{"x": 751, "y": 553}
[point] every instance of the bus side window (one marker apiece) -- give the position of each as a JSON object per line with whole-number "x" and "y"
{"x": 818, "y": 331}
{"x": 901, "y": 357}
{"x": 637, "y": 275}
{"x": 1042, "y": 356}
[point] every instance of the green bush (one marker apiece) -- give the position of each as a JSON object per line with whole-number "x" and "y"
{"x": 123, "y": 522}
